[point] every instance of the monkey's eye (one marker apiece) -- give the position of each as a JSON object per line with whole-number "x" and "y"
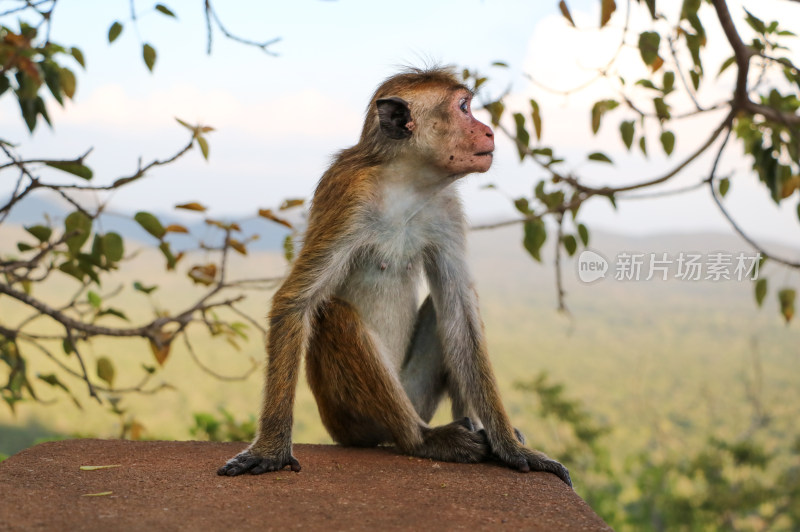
{"x": 464, "y": 106}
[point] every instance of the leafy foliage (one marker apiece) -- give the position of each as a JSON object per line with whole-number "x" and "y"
{"x": 78, "y": 251}
{"x": 729, "y": 483}
{"x": 223, "y": 428}
{"x": 763, "y": 111}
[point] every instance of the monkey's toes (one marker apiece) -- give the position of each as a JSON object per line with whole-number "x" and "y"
{"x": 561, "y": 472}
{"x": 467, "y": 423}
{"x": 248, "y": 462}
{"x": 551, "y": 466}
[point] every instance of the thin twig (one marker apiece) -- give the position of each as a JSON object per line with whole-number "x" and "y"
{"x": 210, "y": 371}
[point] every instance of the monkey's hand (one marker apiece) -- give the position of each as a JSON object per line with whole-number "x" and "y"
{"x": 523, "y": 459}
{"x": 255, "y": 463}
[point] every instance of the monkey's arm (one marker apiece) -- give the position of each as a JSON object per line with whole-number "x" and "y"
{"x": 466, "y": 356}
{"x": 320, "y": 267}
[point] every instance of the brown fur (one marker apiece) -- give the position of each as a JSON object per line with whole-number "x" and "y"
{"x": 383, "y": 213}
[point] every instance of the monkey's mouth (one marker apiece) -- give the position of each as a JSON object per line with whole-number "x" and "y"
{"x": 484, "y": 154}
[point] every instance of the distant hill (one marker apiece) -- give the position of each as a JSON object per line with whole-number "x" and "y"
{"x": 37, "y": 208}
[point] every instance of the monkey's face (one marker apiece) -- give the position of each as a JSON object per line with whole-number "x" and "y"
{"x": 468, "y": 144}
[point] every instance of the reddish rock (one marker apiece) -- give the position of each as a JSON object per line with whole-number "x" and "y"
{"x": 174, "y": 486}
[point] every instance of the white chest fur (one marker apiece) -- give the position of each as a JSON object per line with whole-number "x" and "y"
{"x": 384, "y": 280}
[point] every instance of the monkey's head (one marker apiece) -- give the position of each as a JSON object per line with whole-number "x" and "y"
{"x": 426, "y": 115}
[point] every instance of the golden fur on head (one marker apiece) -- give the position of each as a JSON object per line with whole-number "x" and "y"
{"x": 438, "y": 81}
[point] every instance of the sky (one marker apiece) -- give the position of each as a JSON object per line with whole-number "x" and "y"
{"x": 279, "y": 120}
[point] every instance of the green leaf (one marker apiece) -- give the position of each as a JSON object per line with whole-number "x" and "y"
{"x": 522, "y": 205}
{"x": 94, "y": 299}
{"x": 626, "y": 130}
{"x": 105, "y": 370}
{"x": 690, "y": 8}
{"x": 668, "y": 142}
{"x": 77, "y": 169}
{"x": 724, "y": 185}
{"x": 167, "y": 252}
{"x": 756, "y": 23}
{"x": 114, "y": 31}
{"x": 81, "y": 224}
{"x": 113, "y": 247}
{"x": 113, "y": 312}
{"x": 41, "y": 232}
{"x": 570, "y": 244}
{"x": 600, "y": 157}
{"x": 500, "y": 64}
{"x": 669, "y": 82}
{"x": 643, "y": 145}
{"x": 288, "y": 248}
{"x": 52, "y": 79}
{"x": 535, "y": 236}
{"x": 599, "y": 109}
{"x": 647, "y": 84}
{"x": 53, "y": 380}
{"x": 662, "y": 109}
{"x": 149, "y": 55}
{"x": 583, "y": 232}
{"x": 22, "y": 246}
{"x": 537, "y": 119}
{"x": 203, "y": 143}
{"x": 42, "y": 110}
{"x": 71, "y": 268}
{"x": 4, "y": 86}
{"x": 786, "y": 298}
{"x": 761, "y": 290}
{"x": 695, "y": 79}
{"x": 87, "y": 266}
{"x": 161, "y": 8}
{"x": 78, "y": 56}
{"x": 150, "y": 224}
{"x": 728, "y": 62}
{"x": 68, "y": 82}
{"x": 142, "y": 288}
{"x": 649, "y": 41}
{"x": 496, "y": 111}
{"x": 29, "y": 110}
{"x": 694, "y": 43}
{"x": 523, "y": 137}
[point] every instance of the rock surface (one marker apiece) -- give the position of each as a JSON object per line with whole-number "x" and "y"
{"x": 174, "y": 486}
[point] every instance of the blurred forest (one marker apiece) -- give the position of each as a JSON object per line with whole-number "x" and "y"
{"x": 673, "y": 403}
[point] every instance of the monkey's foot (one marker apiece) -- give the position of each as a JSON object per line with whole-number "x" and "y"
{"x": 455, "y": 442}
{"x": 249, "y": 461}
{"x": 523, "y": 459}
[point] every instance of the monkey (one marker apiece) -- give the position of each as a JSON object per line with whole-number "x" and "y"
{"x": 384, "y": 216}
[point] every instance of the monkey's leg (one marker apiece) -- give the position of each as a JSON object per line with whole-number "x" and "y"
{"x": 361, "y": 401}
{"x": 424, "y": 374}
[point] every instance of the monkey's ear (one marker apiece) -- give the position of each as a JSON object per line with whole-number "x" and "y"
{"x": 394, "y": 116}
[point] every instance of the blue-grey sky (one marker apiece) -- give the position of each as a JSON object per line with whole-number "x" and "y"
{"x": 280, "y": 119}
